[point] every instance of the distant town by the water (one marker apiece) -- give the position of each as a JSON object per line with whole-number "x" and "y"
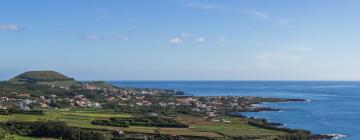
{"x": 105, "y": 111}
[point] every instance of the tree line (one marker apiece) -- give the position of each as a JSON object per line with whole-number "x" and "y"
{"x": 141, "y": 121}
{"x": 51, "y": 129}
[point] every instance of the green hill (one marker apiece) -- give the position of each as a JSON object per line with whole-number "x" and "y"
{"x": 37, "y": 77}
{"x": 43, "y": 83}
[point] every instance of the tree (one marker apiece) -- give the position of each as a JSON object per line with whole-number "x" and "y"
{"x": 99, "y": 136}
{"x": 157, "y": 132}
{"x": 5, "y": 135}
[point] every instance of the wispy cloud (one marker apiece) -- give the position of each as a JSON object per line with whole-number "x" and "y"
{"x": 123, "y": 37}
{"x": 104, "y": 16}
{"x": 222, "y": 39}
{"x": 206, "y": 6}
{"x": 186, "y": 35}
{"x": 133, "y": 27}
{"x": 199, "y": 40}
{"x": 260, "y": 15}
{"x": 218, "y": 7}
{"x": 10, "y": 27}
{"x": 90, "y": 37}
{"x": 176, "y": 40}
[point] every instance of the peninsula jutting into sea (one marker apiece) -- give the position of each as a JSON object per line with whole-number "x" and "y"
{"x": 47, "y": 104}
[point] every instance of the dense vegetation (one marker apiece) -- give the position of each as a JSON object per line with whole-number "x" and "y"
{"x": 262, "y": 123}
{"x": 110, "y": 123}
{"x": 167, "y": 111}
{"x": 293, "y": 134}
{"x": 141, "y": 121}
{"x": 33, "y": 89}
{"x": 16, "y": 111}
{"x": 39, "y": 76}
{"x": 4, "y": 135}
{"x": 53, "y": 129}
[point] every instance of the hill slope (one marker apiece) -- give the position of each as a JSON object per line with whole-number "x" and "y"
{"x": 40, "y": 83}
{"x": 38, "y": 77}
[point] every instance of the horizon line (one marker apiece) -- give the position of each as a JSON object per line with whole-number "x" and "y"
{"x": 226, "y": 80}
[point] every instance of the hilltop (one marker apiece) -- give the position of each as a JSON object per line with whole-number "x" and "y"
{"x": 46, "y": 83}
{"x": 39, "y": 76}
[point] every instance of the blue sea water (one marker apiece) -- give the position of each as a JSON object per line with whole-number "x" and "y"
{"x": 333, "y": 106}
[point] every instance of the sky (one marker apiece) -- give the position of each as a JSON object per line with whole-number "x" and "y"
{"x": 182, "y": 39}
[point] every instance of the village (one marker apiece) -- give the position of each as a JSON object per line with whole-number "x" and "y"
{"x": 208, "y": 106}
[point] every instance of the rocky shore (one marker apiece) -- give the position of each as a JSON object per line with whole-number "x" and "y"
{"x": 277, "y": 124}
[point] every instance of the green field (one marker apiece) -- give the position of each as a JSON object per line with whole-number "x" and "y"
{"x": 198, "y": 126}
{"x": 30, "y": 138}
{"x": 237, "y": 127}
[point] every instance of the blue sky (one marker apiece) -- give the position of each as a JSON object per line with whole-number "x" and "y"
{"x": 182, "y": 39}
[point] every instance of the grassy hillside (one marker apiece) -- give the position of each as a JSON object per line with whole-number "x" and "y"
{"x": 48, "y": 78}
{"x": 39, "y": 76}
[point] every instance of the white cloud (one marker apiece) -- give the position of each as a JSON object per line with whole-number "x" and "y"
{"x": 133, "y": 27}
{"x": 10, "y": 27}
{"x": 260, "y": 15}
{"x": 122, "y": 37}
{"x": 199, "y": 40}
{"x": 91, "y": 37}
{"x": 225, "y": 8}
{"x": 176, "y": 40}
{"x": 104, "y": 16}
{"x": 222, "y": 39}
{"x": 186, "y": 35}
{"x": 125, "y": 38}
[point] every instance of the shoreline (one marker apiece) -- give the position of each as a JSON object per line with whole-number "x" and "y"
{"x": 255, "y": 108}
{"x": 324, "y": 136}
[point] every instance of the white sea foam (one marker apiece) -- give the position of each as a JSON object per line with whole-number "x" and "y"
{"x": 336, "y": 136}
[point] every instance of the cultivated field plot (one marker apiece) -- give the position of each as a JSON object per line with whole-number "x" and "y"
{"x": 198, "y": 126}
{"x": 235, "y": 127}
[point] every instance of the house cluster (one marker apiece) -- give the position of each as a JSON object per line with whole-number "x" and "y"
{"x": 82, "y": 101}
{"x": 24, "y": 101}
{"x": 212, "y": 106}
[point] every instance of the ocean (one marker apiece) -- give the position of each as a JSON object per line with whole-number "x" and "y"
{"x": 333, "y": 107}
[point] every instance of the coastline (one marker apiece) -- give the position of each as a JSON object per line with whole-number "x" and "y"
{"x": 244, "y": 88}
{"x": 282, "y": 125}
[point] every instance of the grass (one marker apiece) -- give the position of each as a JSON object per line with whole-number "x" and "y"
{"x": 31, "y": 138}
{"x": 237, "y": 127}
{"x": 82, "y": 119}
{"x": 198, "y": 126}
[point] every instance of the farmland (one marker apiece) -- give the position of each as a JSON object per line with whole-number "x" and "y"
{"x": 198, "y": 126}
